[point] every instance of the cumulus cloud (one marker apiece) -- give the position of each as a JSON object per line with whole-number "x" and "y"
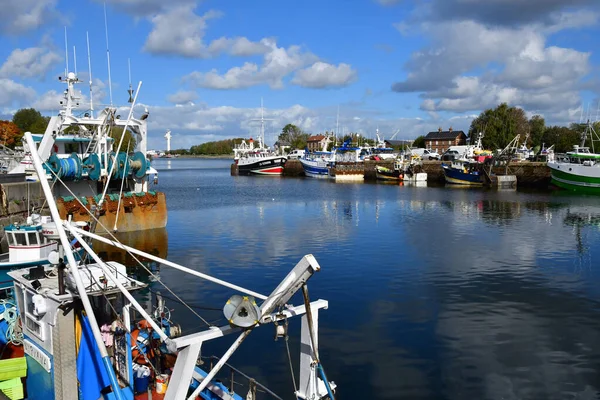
{"x": 25, "y": 15}
{"x": 198, "y": 123}
{"x": 13, "y": 93}
{"x": 321, "y": 75}
{"x": 180, "y": 31}
{"x": 29, "y": 63}
{"x": 278, "y": 62}
{"x": 50, "y": 100}
{"x": 182, "y": 97}
{"x": 520, "y": 70}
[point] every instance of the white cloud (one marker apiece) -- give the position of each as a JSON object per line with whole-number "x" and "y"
{"x": 13, "y": 93}
{"x": 278, "y": 62}
{"x": 182, "y": 97}
{"x": 322, "y": 75}
{"x": 25, "y": 15}
{"x": 198, "y": 123}
{"x": 521, "y": 70}
{"x": 179, "y": 32}
{"x": 50, "y": 100}
{"x": 238, "y": 46}
{"x": 29, "y": 63}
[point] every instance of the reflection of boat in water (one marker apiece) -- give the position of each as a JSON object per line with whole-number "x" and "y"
{"x": 153, "y": 241}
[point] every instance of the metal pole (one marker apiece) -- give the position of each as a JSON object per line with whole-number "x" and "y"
{"x": 37, "y": 163}
{"x": 167, "y": 263}
{"x": 125, "y": 292}
{"x": 209, "y": 377}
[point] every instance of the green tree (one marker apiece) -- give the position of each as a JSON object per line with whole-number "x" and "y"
{"x": 221, "y": 147}
{"x": 537, "y": 126}
{"x": 419, "y": 142}
{"x": 294, "y": 136}
{"x": 30, "y": 119}
{"x": 500, "y": 126}
{"x": 563, "y": 138}
{"x": 129, "y": 141}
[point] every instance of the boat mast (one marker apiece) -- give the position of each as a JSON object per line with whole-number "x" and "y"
{"x": 37, "y": 163}
{"x": 108, "y": 56}
{"x": 87, "y": 36}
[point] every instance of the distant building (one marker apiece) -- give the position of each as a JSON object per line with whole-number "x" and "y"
{"x": 315, "y": 143}
{"x": 440, "y": 141}
{"x": 398, "y": 144}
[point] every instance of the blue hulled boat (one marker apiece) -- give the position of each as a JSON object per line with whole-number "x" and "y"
{"x": 461, "y": 172}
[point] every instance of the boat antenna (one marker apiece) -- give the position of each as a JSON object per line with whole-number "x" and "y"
{"x": 108, "y": 56}
{"x": 74, "y": 61}
{"x": 581, "y": 114}
{"x": 130, "y": 91}
{"x": 597, "y": 110}
{"x": 87, "y": 35}
{"x": 66, "y": 54}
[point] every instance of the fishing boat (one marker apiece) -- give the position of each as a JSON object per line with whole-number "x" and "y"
{"x": 579, "y": 170}
{"x": 347, "y": 164}
{"x": 28, "y": 244}
{"x": 259, "y": 160}
{"x": 315, "y": 164}
{"x": 409, "y": 169}
{"x": 85, "y": 336}
{"x": 464, "y": 172}
{"x": 111, "y": 177}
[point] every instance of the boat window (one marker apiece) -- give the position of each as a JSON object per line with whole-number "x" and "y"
{"x": 10, "y": 238}
{"x": 71, "y": 148}
{"x": 33, "y": 240}
{"x": 21, "y": 238}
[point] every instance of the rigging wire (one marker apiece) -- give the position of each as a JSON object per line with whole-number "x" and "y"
{"x": 157, "y": 278}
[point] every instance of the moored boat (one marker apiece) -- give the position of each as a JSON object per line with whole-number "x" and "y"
{"x": 261, "y": 163}
{"x": 464, "y": 172}
{"x": 579, "y": 169}
{"x": 80, "y": 150}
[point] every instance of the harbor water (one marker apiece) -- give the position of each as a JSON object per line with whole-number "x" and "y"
{"x": 434, "y": 292}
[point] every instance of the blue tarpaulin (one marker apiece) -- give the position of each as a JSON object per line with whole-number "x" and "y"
{"x": 91, "y": 374}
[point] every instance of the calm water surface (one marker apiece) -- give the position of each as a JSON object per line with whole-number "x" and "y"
{"x": 434, "y": 292}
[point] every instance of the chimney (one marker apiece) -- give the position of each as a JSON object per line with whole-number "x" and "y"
{"x": 440, "y": 129}
{"x": 450, "y": 129}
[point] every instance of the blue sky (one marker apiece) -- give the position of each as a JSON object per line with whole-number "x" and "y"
{"x": 392, "y": 64}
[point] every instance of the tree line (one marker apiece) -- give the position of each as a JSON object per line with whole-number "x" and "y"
{"x": 500, "y": 125}
{"x": 25, "y": 119}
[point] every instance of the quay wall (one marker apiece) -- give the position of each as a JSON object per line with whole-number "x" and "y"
{"x": 529, "y": 174}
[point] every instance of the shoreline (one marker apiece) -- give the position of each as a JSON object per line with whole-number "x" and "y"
{"x": 222, "y": 156}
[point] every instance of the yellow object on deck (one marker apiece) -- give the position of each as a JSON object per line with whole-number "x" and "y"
{"x": 13, "y": 368}
{"x": 12, "y": 388}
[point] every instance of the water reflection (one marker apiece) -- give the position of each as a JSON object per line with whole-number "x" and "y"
{"x": 153, "y": 241}
{"x": 433, "y": 293}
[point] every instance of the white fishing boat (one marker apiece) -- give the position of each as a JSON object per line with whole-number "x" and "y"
{"x": 579, "y": 169}
{"x": 259, "y": 160}
{"x": 316, "y": 164}
{"x": 112, "y": 177}
{"x": 84, "y": 334}
{"x": 347, "y": 164}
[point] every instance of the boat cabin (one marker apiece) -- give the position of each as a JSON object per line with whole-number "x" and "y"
{"x": 582, "y": 155}
{"x": 27, "y": 245}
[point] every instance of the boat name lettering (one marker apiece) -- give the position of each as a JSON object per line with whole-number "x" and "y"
{"x": 265, "y": 162}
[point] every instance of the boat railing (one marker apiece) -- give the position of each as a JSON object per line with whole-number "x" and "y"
{"x": 252, "y": 384}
